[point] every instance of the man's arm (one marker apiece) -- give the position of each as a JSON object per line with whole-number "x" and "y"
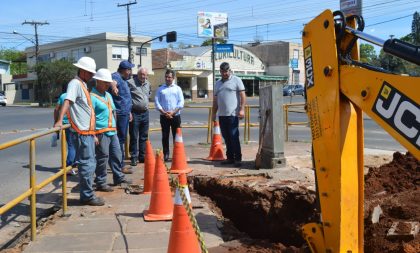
{"x": 64, "y": 109}
{"x": 56, "y": 112}
{"x": 157, "y": 103}
{"x": 241, "y": 113}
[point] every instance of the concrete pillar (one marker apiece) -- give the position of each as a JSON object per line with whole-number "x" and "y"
{"x": 272, "y": 152}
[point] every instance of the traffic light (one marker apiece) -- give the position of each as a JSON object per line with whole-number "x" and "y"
{"x": 171, "y": 37}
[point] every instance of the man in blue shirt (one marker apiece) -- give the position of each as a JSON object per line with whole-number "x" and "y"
{"x": 122, "y": 99}
{"x": 169, "y": 101}
{"x": 107, "y": 145}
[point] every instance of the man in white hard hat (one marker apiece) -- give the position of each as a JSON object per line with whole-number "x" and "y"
{"x": 78, "y": 107}
{"x": 108, "y": 149}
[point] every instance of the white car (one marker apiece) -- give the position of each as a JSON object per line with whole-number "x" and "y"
{"x": 3, "y": 100}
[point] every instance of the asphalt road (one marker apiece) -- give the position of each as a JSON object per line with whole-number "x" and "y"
{"x": 21, "y": 121}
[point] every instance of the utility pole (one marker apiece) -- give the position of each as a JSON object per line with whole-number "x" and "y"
{"x": 127, "y": 5}
{"x": 40, "y": 90}
{"x": 36, "y": 24}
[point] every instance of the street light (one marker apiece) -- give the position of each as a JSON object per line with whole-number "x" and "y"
{"x": 170, "y": 37}
{"x": 33, "y": 42}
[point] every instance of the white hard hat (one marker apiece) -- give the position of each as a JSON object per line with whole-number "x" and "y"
{"x": 87, "y": 64}
{"x": 103, "y": 75}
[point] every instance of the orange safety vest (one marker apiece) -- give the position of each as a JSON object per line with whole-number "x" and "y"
{"x": 110, "y": 116}
{"x": 92, "y": 124}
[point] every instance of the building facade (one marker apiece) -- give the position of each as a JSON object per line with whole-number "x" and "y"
{"x": 195, "y": 75}
{"x": 108, "y": 50}
{"x": 281, "y": 58}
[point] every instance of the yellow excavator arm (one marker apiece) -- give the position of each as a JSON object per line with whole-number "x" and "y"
{"x": 339, "y": 90}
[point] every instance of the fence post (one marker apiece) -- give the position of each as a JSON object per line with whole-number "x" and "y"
{"x": 64, "y": 168}
{"x": 249, "y": 122}
{"x": 209, "y": 125}
{"x": 32, "y": 185}
{"x": 286, "y": 116}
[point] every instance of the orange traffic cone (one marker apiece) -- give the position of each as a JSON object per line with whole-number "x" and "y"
{"x": 161, "y": 204}
{"x": 182, "y": 238}
{"x": 179, "y": 162}
{"x": 149, "y": 168}
{"x": 216, "y": 150}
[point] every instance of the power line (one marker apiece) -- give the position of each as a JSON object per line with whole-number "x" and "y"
{"x": 127, "y": 5}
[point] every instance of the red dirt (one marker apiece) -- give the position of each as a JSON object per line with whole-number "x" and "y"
{"x": 395, "y": 187}
{"x": 272, "y": 214}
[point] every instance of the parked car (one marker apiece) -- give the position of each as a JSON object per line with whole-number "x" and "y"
{"x": 294, "y": 89}
{"x": 3, "y": 100}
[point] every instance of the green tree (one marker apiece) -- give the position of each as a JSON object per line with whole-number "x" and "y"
{"x": 415, "y": 29}
{"x": 392, "y": 63}
{"x": 52, "y": 76}
{"x": 217, "y": 41}
{"x": 18, "y": 60}
{"x": 368, "y": 54}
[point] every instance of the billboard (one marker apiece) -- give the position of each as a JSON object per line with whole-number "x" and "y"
{"x": 351, "y": 7}
{"x": 212, "y": 25}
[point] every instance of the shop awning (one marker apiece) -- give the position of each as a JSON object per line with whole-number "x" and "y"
{"x": 259, "y": 77}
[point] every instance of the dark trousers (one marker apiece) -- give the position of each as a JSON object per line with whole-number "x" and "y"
{"x": 166, "y": 125}
{"x": 122, "y": 129}
{"x": 229, "y": 125}
{"x": 139, "y": 130}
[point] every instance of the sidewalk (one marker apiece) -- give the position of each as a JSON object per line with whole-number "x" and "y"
{"x": 119, "y": 226}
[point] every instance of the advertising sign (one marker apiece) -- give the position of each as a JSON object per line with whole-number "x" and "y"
{"x": 224, "y": 48}
{"x": 294, "y": 63}
{"x": 212, "y": 25}
{"x": 351, "y": 7}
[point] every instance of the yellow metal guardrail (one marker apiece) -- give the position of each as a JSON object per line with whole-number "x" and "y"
{"x": 298, "y": 108}
{"x": 33, "y": 187}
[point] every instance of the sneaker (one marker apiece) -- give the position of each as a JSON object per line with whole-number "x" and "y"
{"x": 226, "y": 162}
{"x": 96, "y": 201}
{"x": 104, "y": 188}
{"x": 127, "y": 170}
{"x": 237, "y": 164}
{"x": 133, "y": 161}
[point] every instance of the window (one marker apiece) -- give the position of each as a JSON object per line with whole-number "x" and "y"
{"x": 76, "y": 54}
{"x": 62, "y": 55}
{"x": 143, "y": 51}
{"x": 119, "y": 53}
{"x": 295, "y": 53}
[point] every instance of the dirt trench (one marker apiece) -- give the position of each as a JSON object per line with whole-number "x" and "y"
{"x": 269, "y": 217}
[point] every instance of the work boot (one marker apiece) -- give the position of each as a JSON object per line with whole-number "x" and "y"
{"x": 104, "y": 188}
{"x": 141, "y": 160}
{"x": 127, "y": 170}
{"x": 124, "y": 181}
{"x": 96, "y": 201}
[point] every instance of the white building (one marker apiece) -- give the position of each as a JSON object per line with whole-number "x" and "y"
{"x": 108, "y": 50}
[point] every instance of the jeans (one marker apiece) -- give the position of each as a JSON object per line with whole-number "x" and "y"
{"x": 139, "y": 130}
{"x": 167, "y": 125}
{"x": 71, "y": 138}
{"x": 108, "y": 152}
{"x": 85, "y": 157}
{"x": 122, "y": 128}
{"x": 229, "y": 125}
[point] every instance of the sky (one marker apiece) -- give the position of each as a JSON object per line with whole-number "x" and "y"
{"x": 249, "y": 20}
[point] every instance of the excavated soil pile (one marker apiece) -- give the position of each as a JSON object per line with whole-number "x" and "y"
{"x": 271, "y": 214}
{"x": 395, "y": 188}
{"x": 274, "y": 212}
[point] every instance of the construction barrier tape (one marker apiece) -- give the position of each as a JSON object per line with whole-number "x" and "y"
{"x": 186, "y": 203}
